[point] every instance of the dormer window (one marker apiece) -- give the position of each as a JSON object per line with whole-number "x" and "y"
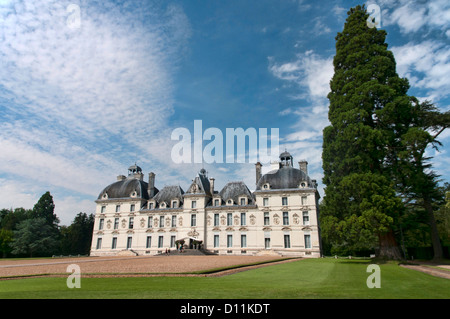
{"x": 174, "y": 204}
{"x": 151, "y": 205}
{"x": 162, "y": 205}
{"x": 216, "y": 202}
{"x": 266, "y": 186}
{"x": 132, "y": 208}
{"x": 230, "y": 202}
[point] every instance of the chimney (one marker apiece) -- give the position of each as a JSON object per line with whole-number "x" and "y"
{"x": 303, "y": 165}
{"x": 211, "y": 186}
{"x": 151, "y": 184}
{"x": 258, "y": 171}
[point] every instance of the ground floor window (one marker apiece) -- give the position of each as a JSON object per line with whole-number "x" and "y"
{"x": 99, "y": 243}
{"x": 216, "y": 240}
{"x": 287, "y": 241}
{"x": 267, "y": 243}
{"x": 172, "y": 241}
{"x": 160, "y": 241}
{"x": 229, "y": 240}
{"x": 129, "y": 241}
{"x": 149, "y": 242}
{"x": 243, "y": 241}
{"x": 114, "y": 243}
{"x": 307, "y": 241}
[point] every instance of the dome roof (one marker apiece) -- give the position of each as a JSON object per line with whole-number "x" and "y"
{"x": 233, "y": 190}
{"x": 125, "y": 189}
{"x": 283, "y": 178}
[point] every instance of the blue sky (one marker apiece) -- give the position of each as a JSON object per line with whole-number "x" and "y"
{"x": 79, "y": 105}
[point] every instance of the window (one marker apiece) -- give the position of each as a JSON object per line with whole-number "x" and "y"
{"x": 149, "y": 242}
{"x": 193, "y": 204}
{"x": 172, "y": 241}
{"x": 114, "y": 243}
{"x": 284, "y": 201}
{"x": 131, "y": 223}
{"x": 101, "y": 223}
{"x": 267, "y": 243}
{"x": 216, "y": 240}
{"x": 216, "y": 219}
{"x": 229, "y": 219}
{"x": 243, "y": 241}
{"x": 174, "y": 220}
{"x": 307, "y": 241}
{"x": 150, "y": 205}
{"x": 287, "y": 241}
{"x": 129, "y": 241}
{"x": 242, "y": 201}
{"x": 305, "y": 218}
{"x": 174, "y": 204}
{"x": 243, "y": 223}
{"x": 161, "y": 221}
{"x": 103, "y": 209}
{"x": 229, "y": 241}
{"x": 193, "y": 220}
{"x": 99, "y": 243}
{"x": 266, "y": 218}
{"x": 150, "y": 222}
{"x": 304, "y": 198}
{"x": 117, "y": 208}
{"x": 265, "y": 202}
{"x": 160, "y": 241}
{"x": 132, "y": 208}
{"x": 216, "y": 202}
{"x": 116, "y": 223}
{"x": 285, "y": 218}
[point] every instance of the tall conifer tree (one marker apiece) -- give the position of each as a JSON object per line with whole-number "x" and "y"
{"x": 360, "y": 202}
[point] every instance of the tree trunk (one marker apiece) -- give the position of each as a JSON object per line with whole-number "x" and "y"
{"x": 389, "y": 248}
{"x": 435, "y": 241}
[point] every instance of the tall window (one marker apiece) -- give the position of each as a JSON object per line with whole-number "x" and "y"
{"x": 103, "y": 209}
{"x": 284, "y": 201}
{"x": 216, "y": 202}
{"x": 150, "y": 222}
{"x": 131, "y": 223}
{"x": 229, "y": 241}
{"x": 243, "y": 241}
{"x": 243, "y": 223}
{"x": 287, "y": 241}
{"x": 172, "y": 241}
{"x": 161, "y": 221}
{"x": 149, "y": 242}
{"x": 216, "y": 219}
{"x": 116, "y": 223}
{"x": 229, "y": 219}
{"x": 150, "y": 205}
{"x": 129, "y": 241}
{"x": 114, "y": 243}
{"x": 266, "y": 218}
{"x": 307, "y": 241}
{"x": 101, "y": 223}
{"x": 174, "y": 220}
{"x": 242, "y": 201}
{"x": 160, "y": 241}
{"x": 193, "y": 220}
{"x": 304, "y": 198}
{"x": 305, "y": 218}
{"x": 267, "y": 243}
{"x": 132, "y": 208}
{"x": 193, "y": 204}
{"x": 265, "y": 202}
{"x": 285, "y": 218}
{"x": 216, "y": 240}
{"x": 174, "y": 204}
{"x": 117, "y": 208}
{"x": 99, "y": 243}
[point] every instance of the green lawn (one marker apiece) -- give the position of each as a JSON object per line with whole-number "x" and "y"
{"x": 309, "y": 278}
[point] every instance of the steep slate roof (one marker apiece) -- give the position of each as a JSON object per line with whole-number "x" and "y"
{"x": 124, "y": 188}
{"x": 202, "y": 181}
{"x": 283, "y": 178}
{"x": 233, "y": 190}
{"x": 168, "y": 193}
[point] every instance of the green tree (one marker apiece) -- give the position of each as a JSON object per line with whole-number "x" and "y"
{"x": 45, "y": 208}
{"x": 76, "y": 238}
{"x": 34, "y": 237}
{"x": 360, "y": 201}
{"x": 6, "y": 238}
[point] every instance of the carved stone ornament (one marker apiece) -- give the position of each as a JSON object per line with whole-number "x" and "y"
{"x": 296, "y": 219}
{"x": 108, "y": 223}
{"x": 167, "y": 221}
{"x": 236, "y": 220}
{"x": 124, "y": 223}
{"x": 252, "y": 219}
{"x": 180, "y": 221}
{"x": 276, "y": 219}
{"x": 208, "y": 220}
{"x": 193, "y": 233}
{"x": 142, "y": 222}
{"x": 222, "y": 220}
{"x": 155, "y": 222}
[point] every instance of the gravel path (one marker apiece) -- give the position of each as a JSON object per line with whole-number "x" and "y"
{"x": 125, "y": 265}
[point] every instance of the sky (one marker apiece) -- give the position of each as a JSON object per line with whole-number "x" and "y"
{"x": 88, "y": 88}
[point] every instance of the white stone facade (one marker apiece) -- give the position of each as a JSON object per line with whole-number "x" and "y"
{"x": 279, "y": 217}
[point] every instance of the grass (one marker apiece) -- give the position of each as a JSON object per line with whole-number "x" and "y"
{"x": 310, "y": 278}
